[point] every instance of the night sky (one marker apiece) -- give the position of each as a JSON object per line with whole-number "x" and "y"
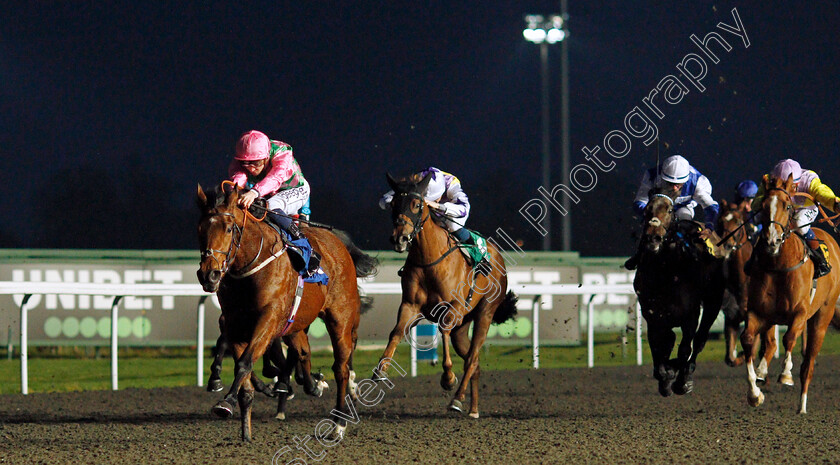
{"x": 113, "y": 112}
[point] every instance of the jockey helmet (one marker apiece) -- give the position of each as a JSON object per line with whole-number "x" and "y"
{"x": 675, "y": 169}
{"x": 746, "y": 190}
{"x": 785, "y": 168}
{"x": 253, "y": 145}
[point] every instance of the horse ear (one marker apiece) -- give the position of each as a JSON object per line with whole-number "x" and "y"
{"x": 724, "y": 205}
{"x": 422, "y": 185}
{"x": 789, "y": 182}
{"x": 391, "y": 181}
{"x": 201, "y": 198}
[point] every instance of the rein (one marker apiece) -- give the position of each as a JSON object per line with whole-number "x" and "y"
{"x": 786, "y": 232}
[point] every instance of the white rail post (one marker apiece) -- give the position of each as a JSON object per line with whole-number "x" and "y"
{"x": 590, "y": 332}
{"x": 413, "y": 351}
{"x": 199, "y": 341}
{"x": 536, "y": 329}
{"x": 114, "y": 337}
{"x": 778, "y": 341}
{"x": 638, "y": 333}
{"x": 24, "y": 345}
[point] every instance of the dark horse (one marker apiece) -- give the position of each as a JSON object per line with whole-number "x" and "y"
{"x": 258, "y": 289}
{"x": 673, "y": 278}
{"x": 783, "y": 292}
{"x": 737, "y": 250}
{"x": 441, "y": 286}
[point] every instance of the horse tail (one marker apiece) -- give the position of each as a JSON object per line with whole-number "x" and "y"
{"x": 365, "y": 264}
{"x": 367, "y": 303}
{"x": 507, "y": 310}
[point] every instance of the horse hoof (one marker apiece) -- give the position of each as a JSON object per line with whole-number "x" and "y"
{"x": 222, "y": 410}
{"x": 456, "y": 406}
{"x": 665, "y": 388}
{"x": 448, "y": 384}
{"x": 337, "y": 434}
{"x": 755, "y": 401}
{"x": 280, "y": 416}
{"x": 683, "y": 389}
{"x": 215, "y": 385}
{"x": 474, "y": 415}
{"x": 786, "y": 380}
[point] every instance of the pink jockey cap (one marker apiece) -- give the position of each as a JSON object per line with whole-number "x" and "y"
{"x": 253, "y": 145}
{"x": 785, "y": 168}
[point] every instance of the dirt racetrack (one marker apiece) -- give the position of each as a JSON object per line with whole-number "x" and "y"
{"x": 603, "y": 415}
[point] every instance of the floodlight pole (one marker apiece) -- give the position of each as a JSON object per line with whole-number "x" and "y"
{"x": 564, "y": 128}
{"x": 546, "y": 148}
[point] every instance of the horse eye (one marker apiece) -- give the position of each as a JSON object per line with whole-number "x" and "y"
{"x": 229, "y": 229}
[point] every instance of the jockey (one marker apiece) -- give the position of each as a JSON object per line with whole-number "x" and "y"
{"x": 676, "y": 174}
{"x": 269, "y": 170}
{"x": 447, "y": 201}
{"x": 806, "y": 210}
{"x": 745, "y": 192}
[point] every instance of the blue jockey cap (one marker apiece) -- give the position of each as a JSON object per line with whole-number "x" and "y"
{"x": 746, "y": 189}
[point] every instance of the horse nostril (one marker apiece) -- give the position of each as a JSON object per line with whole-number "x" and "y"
{"x": 214, "y": 276}
{"x": 403, "y": 239}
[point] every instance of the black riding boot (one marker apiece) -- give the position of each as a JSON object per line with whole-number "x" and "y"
{"x": 821, "y": 266}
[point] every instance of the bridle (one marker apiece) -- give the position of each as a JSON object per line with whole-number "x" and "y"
{"x": 417, "y": 220}
{"x": 786, "y": 230}
{"x": 739, "y": 234}
{"x": 235, "y": 245}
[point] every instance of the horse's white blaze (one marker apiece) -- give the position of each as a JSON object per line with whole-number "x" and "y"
{"x": 655, "y": 222}
{"x": 773, "y": 230}
{"x": 729, "y": 217}
{"x": 761, "y": 373}
{"x": 803, "y": 401}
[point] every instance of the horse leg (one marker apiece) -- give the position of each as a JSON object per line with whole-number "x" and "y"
{"x": 817, "y": 326}
{"x": 461, "y": 343}
{"x": 661, "y": 341}
{"x": 408, "y": 315}
{"x": 448, "y": 378}
{"x": 283, "y": 386}
{"x": 342, "y": 342}
{"x": 789, "y": 341}
{"x": 480, "y": 327}
{"x": 752, "y": 326}
{"x": 685, "y": 365}
{"x": 768, "y": 351}
{"x": 730, "y": 329}
{"x": 214, "y": 383}
{"x": 311, "y": 386}
{"x": 246, "y": 399}
{"x": 246, "y": 354}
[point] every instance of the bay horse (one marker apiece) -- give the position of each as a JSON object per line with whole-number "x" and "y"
{"x": 442, "y": 287}
{"x": 672, "y": 280}
{"x": 242, "y": 261}
{"x": 782, "y": 290}
{"x": 737, "y": 249}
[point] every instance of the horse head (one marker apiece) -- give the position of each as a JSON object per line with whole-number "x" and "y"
{"x": 219, "y": 234}
{"x": 731, "y": 218}
{"x": 659, "y": 214}
{"x": 777, "y": 212}
{"x": 407, "y": 209}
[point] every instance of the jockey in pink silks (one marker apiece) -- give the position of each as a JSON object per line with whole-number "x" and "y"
{"x": 806, "y": 210}
{"x": 269, "y": 170}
